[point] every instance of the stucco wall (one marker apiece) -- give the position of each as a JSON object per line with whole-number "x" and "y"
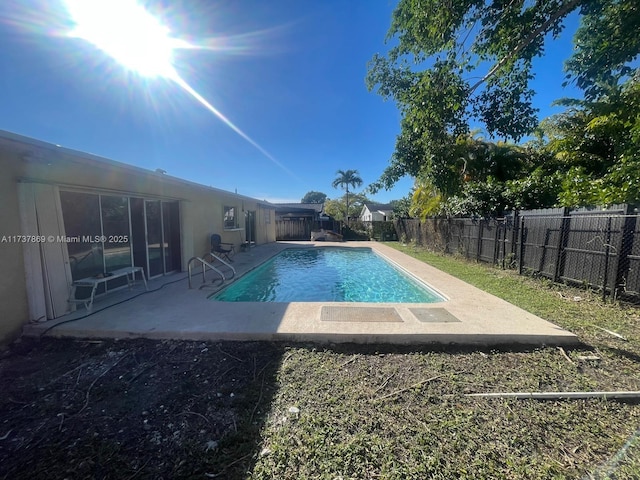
{"x": 13, "y": 296}
{"x": 201, "y": 209}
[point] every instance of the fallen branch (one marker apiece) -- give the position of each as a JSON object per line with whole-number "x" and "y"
{"x": 135, "y": 474}
{"x": 253, "y": 412}
{"x": 79, "y": 367}
{"x": 564, "y": 354}
{"x": 254, "y": 366}
{"x": 263, "y": 369}
{"x": 225, "y": 372}
{"x": 611, "y": 333}
{"x": 141, "y": 372}
{"x": 352, "y": 359}
{"x": 229, "y": 355}
{"x": 86, "y": 402}
{"x": 384, "y": 384}
{"x": 421, "y": 382}
{"x": 589, "y": 358}
{"x": 286, "y": 358}
{"x": 189, "y": 412}
{"x": 557, "y": 395}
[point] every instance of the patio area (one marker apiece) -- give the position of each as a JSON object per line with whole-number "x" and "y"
{"x": 171, "y": 310}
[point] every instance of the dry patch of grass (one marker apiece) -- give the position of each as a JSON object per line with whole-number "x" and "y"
{"x": 403, "y": 414}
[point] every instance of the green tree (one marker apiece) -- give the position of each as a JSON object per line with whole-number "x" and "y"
{"x": 485, "y": 178}
{"x": 426, "y": 200}
{"x": 597, "y": 146}
{"x": 456, "y": 41}
{"x": 314, "y": 197}
{"x": 336, "y": 208}
{"x": 607, "y": 43}
{"x": 401, "y": 207}
{"x": 356, "y": 202}
{"x": 345, "y": 179}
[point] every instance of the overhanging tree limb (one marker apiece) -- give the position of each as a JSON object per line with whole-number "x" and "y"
{"x": 565, "y": 10}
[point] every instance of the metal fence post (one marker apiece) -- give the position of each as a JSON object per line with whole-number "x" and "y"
{"x": 562, "y": 242}
{"x": 607, "y": 249}
{"x": 625, "y": 247}
{"x": 521, "y": 246}
{"x": 479, "y": 244}
{"x": 496, "y": 244}
{"x": 514, "y": 233}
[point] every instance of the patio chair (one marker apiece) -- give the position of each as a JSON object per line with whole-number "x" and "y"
{"x": 217, "y": 247}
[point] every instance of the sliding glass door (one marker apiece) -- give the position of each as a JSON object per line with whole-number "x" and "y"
{"x": 171, "y": 235}
{"x": 83, "y": 229}
{"x": 115, "y": 232}
{"x": 163, "y": 236}
{"x": 108, "y": 232}
{"x": 155, "y": 247}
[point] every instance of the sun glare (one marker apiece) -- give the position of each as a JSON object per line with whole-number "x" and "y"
{"x": 128, "y": 33}
{"x": 138, "y": 41}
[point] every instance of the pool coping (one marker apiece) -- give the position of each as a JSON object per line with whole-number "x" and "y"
{"x": 177, "y": 312}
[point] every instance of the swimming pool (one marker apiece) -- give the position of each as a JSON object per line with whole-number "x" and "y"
{"x": 328, "y": 274}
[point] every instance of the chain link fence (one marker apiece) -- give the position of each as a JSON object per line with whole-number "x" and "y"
{"x": 598, "y": 249}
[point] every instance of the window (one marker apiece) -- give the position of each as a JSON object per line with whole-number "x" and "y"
{"x": 267, "y": 216}
{"x": 229, "y": 217}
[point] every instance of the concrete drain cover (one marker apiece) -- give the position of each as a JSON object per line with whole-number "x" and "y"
{"x": 359, "y": 314}
{"x": 433, "y": 315}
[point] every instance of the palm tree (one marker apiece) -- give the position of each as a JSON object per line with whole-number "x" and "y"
{"x": 343, "y": 180}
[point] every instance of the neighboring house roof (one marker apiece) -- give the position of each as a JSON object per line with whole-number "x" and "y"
{"x": 383, "y": 208}
{"x": 313, "y": 210}
{"x": 316, "y": 207}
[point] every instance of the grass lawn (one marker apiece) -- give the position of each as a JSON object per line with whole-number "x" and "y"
{"x": 264, "y": 410}
{"x": 394, "y": 414}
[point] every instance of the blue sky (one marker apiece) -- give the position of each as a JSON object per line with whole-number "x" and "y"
{"x": 294, "y": 84}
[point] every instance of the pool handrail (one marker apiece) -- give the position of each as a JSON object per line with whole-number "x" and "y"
{"x": 204, "y": 264}
{"x": 216, "y": 257}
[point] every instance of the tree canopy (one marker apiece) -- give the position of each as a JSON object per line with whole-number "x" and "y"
{"x": 336, "y": 208}
{"x": 469, "y": 62}
{"x": 597, "y": 144}
{"x": 314, "y": 197}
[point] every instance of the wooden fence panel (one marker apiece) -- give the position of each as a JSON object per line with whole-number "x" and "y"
{"x": 293, "y": 230}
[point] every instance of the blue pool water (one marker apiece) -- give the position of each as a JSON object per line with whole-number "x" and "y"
{"x": 328, "y": 274}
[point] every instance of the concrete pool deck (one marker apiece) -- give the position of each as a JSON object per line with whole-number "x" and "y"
{"x": 470, "y": 316}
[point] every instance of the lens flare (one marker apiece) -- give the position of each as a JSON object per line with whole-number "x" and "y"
{"x": 139, "y": 42}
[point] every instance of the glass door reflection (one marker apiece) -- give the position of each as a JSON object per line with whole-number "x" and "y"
{"x": 155, "y": 256}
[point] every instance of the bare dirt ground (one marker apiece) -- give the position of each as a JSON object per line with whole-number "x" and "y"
{"x": 135, "y": 408}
